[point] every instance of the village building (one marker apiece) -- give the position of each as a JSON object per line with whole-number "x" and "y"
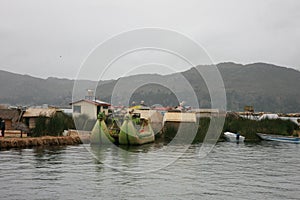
{"x": 90, "y": 108}
{"x": 31, "y": 114}
{"x": 207, "y": 112}
{"x": 179, "y": 117}
{"x": 11, "y": 117}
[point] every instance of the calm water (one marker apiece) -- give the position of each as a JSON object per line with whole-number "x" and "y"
{"x": 230, "y": 171}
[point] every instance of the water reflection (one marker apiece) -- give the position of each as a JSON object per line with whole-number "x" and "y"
{"x": 48, "y": 155}
{"x": 260, "y": 170}
{"x": 125, "y": 157}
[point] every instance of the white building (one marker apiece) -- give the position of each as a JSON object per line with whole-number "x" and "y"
{"x": 91, "y": 108}
{"x": 268, "y": 116}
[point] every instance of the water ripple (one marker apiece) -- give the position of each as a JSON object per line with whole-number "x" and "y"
{"x": 230, "y": 171}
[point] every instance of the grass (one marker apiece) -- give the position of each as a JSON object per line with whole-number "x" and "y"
{"x": 245, "y": 127}
{"x": 53, "y": 125}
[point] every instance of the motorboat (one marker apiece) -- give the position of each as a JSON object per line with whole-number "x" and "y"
{"x": 233, "y": 137}
{"x": 278, "y": 138}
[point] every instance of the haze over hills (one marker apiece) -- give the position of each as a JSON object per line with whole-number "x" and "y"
{"x": 267, "y": 87}
{"x": 16, "y": 89}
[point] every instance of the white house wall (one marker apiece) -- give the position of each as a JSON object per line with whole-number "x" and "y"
{"x": 86, "y": 108}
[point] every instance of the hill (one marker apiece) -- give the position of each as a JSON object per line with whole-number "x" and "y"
{"x": 267, "y": 87}
{"x": 16, "y": 89}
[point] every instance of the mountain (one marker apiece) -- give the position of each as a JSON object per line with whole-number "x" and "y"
{"x": 265, "y": 86}
{"x": 16, "y": 89}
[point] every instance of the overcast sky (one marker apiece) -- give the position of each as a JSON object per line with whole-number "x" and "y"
{"x": 52, "y": 38}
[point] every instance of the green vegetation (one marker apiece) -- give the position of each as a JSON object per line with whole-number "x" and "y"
{"x": 53, "y": 125}
{"x": 56, "y": 124}
{"x": 249, "y": 127}
{"x": 245, "y": 127}
{"x": 202, "y": 130}
{"x": 266, "y": 87}
{"x": 170, "y": 131}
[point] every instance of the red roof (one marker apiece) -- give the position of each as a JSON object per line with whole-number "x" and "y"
{"x": 162, "y": 108}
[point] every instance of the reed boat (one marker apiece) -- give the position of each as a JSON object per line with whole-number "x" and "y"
{"x": 129, "y": 135}
{"x": 100, "y": 133}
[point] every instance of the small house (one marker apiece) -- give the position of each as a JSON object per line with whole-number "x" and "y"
{"x": 10, "y": 117}
{"x": 206, "y": 112}
{"x": 91, "y": 108}
{"x": 31, "y": 114}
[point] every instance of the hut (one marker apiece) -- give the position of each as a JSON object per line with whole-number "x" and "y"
{"x": 11, "y": 117}
{"x": 31, "y": 114}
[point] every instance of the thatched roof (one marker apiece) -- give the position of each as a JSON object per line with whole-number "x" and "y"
{"x": 180, "y": 117}
{"x": 21, "y": 126}
{"x": 36, "y": 112}
{"x": 7, "y": 114}
{"x": 233, "y": 115}
{"x": 206, "y": 110}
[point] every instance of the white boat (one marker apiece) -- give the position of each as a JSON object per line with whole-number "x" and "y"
{"x": 233, "y": 137}
{"x": 279, "y": 138}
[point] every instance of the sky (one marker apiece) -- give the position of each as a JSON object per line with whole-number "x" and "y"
{"x": 54, "y": 38}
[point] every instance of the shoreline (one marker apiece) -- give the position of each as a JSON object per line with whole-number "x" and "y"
{"x": 29, "y": 142}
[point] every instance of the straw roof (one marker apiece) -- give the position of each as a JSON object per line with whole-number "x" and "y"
{"x": 206, "y": 110}
{"x": 179, "y": 117}
{"x": 7, "y": 114}
{"x": 36, "y": 112}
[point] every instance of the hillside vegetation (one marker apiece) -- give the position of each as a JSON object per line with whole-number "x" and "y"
{"x": 266, "y": 87}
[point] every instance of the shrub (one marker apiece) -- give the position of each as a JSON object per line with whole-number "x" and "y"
{"x": 53, "y": 125}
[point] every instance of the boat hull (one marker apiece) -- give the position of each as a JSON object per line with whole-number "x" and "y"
{"x": 130, "y": 136}
{"x": 279, "y": 138}
{"x": 100, "y": 134}
{"x": 232, "y": 137}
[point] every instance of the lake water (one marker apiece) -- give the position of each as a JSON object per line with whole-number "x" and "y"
{"x": 265, "y": 170}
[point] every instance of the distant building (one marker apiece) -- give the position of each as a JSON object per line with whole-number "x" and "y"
{"x": 207, "y": 112}
{"x": 268, "y": 116}
{"x": 67, "y": 111}
{"x": 88, "y": 107}
{"x": 10, "y": 117}
{"x": 179, "y": 117}
{"x": 31, "y": 114}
